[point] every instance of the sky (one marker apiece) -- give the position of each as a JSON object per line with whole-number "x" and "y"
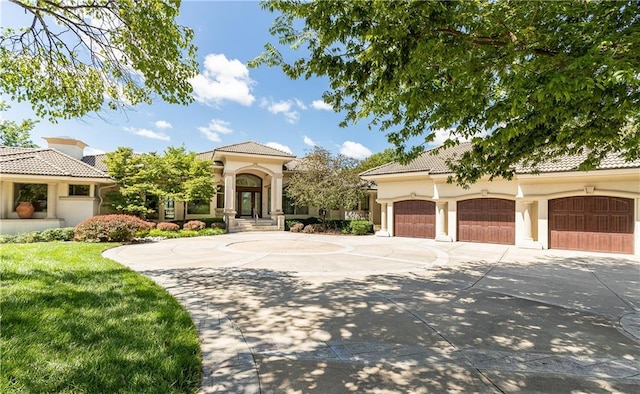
{"x": 233, "y": 103}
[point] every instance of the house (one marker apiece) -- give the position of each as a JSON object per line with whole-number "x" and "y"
{"x": 64, "y": 190}
{"x": 251, "y": 180}
{"x": 556, "y": 207}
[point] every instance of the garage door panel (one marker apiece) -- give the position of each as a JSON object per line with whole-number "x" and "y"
{"x": 489, "y": 220}
{"x": 592, "y": 223}
{"x": 415, "y": 218}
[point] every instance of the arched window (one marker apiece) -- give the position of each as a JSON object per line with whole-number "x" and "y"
{"x": 248, "y": 180}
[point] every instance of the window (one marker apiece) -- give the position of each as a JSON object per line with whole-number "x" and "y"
{"x": 35, "y": 193}
{"x": 290, "y": 209}
{"x": 248, "y": 180}
{"x": 169, "y": 209}
{"x": 199, "y": 207}
{"x": 364, "y": 204}
{"x": 220, "y": 197}
{"x": 79, "y": 190}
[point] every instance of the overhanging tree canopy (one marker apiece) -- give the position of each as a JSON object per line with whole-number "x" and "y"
{"x": 75, "y": 56}
{"x": 526, "y": 81}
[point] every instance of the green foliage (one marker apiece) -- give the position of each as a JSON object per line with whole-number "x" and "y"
{"x": 75, "y": 322}
{"x": 525, "y": 81}
{"x": 14, "y": 134}
{"x": 326, "y": 181}
{"x": 376, "y": 160}
{"x": 157, "y": 233}
{"x": 74, "y": 59}
{"x": 111, "y": 228}
{"x": 361, "y": 227}
{"x": 176, "y": 174}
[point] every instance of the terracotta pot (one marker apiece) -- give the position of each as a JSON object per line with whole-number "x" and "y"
{"x": 25, "y": 210}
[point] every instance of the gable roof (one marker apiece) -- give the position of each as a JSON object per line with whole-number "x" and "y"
{"x": 437, "y": 163}
{"x": 47, "y": 162}
{"x": 252, "y": 148}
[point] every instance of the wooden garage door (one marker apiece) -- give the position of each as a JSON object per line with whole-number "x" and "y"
{"x": 489, "y": 220}
{"x": 414, "y": 218}
{"x": 591, "y": 223}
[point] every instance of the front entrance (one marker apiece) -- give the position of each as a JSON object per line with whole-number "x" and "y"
{"x": 249, "y": 203}
{"x": 248, "y": 195}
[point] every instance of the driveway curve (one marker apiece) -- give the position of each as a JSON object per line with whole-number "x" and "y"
{"x": 286, "y": 313}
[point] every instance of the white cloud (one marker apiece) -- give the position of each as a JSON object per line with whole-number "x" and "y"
{"x": 147, "y": 133}
{"x": 355, "y": 150}
{"x": 301, "y": 104}
{"x": 89, "y": 151}
{"x": 321, "y": 105}
{"x": 309, "y": 141}
{"x": 278, "y": 146}
{"x": 281, "y": 107}
{"x": 213, "y": 130}
{"x": 444, "y": 134}
{"x": 222, "y": 79}
{"x": 163, "y": 124}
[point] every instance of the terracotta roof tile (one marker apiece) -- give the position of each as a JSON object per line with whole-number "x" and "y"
{"x": 48, "y": 162}
{"x": 253, "y": 148}
{"x": 96, "y": 161}
{"x": 436, "y": 163}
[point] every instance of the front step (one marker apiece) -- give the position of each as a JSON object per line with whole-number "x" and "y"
{"x": 244, "y": 225}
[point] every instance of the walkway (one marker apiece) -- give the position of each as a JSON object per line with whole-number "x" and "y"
{"x": 282, "y": 312}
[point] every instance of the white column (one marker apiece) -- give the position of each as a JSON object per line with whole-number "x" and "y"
{"x": 274, "y": 196}
{"x": 52, "y": 200}
{"x": 383, "y": 232}
{"x": 526, "y": 216}
{"x": 278, "y": 194}
{"x": 230, "y": 193}
{"x": 390, "y": 219}
{"x": 543, "y": 223}
{"x": 441, "y": 222}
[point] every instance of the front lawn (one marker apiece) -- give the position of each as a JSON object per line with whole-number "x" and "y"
{"x": 75, "y": 322}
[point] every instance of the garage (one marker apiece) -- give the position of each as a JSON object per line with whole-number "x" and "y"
{"x": 414, "y": 218}
{"x": 487, "y": 220}
{"x": 591, "y": 223}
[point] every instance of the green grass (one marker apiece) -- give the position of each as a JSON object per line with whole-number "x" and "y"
{"x": 74, "y": 322}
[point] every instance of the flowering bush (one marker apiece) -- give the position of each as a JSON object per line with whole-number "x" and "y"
{"x": 220, "y": 225}
{"x": 312, "y": 228}
{"x": 194, "y": 225}
{"x": 164, "y": 226}
{"x": 115, "y": 228}
{"x": 296, "y": 228}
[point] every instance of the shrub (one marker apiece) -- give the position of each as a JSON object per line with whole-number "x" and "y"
{"x": 58, "y": 234}
{"x": 296, "y": 228}
{"x": 211, "y": 231}
{"x": 7, "y": 239}
{"x": 165, "y": 226}
{"x": 27, "y": 238}
{"x": 361, "y": 227}
{"x": 290, "y": 223}
{"x": 163, "y": 234}
{"x": 194, "y": 225}
{"x": 312, "y": 228}
{"x": 115, "y": 228}
{"x": 219, "y": 225}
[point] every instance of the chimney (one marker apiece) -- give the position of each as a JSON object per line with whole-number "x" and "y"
{"x": 67, "y": 145}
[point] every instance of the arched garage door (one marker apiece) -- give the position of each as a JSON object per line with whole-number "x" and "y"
{"x": 487, "y": 220}
{"x": 591, "y": 223}
{"x": 414, "y": 218}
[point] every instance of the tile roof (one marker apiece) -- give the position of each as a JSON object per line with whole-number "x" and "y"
{"x": 47, "y": 162}
{"x": 434, "y": 163}
{"x": 427, "y": 161}
{"x": 253, "y": 148}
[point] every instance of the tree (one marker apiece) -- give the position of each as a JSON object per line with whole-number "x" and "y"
{"x": 176, "y": 174}
{"x": 77, "y": 55}
{"x": 376, "y": 160}
{"x": 136, "y": 179}
{"x": 327, "y": 182}
{"x": 14, "y": 134}
{"x": 524, "y": 81}
{"x": 184, "y": 178}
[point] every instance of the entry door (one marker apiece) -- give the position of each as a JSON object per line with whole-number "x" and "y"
{"x": 247, "y": 201}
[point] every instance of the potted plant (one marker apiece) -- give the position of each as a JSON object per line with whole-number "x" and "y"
{"x": 27, "y": 198}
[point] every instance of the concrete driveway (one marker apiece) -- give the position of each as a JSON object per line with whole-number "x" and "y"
{"x": 298, "y": 313}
